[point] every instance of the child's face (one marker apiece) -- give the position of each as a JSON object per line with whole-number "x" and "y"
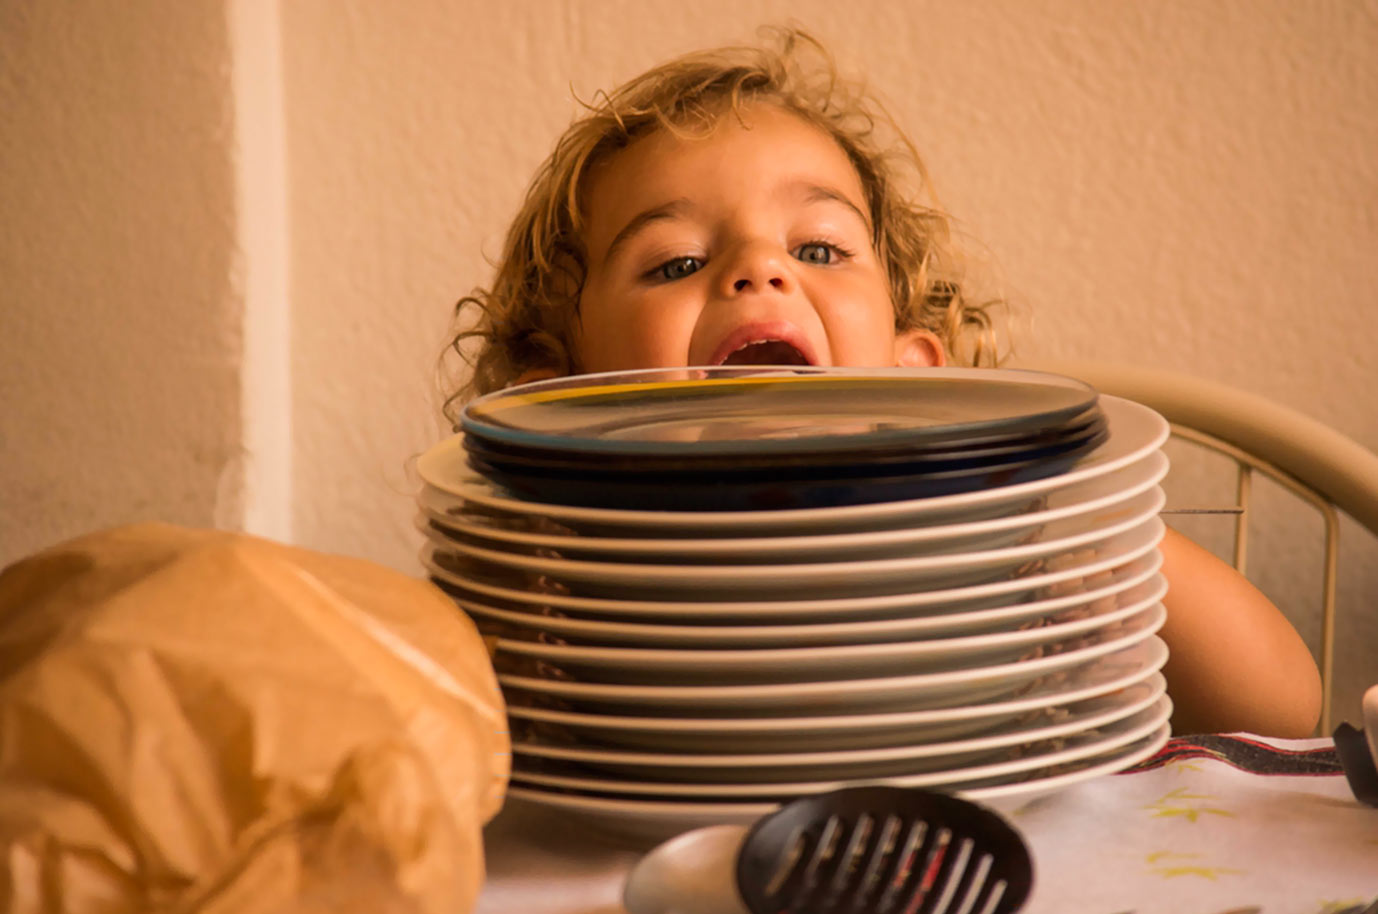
{"x": 751, "y": 245}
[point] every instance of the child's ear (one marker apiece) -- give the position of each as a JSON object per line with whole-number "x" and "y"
{"x": 919, "y": 349}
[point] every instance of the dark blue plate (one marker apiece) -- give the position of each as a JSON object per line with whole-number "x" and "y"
{"x": 761, "y": 411}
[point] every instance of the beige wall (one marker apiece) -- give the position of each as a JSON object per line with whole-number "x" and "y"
{"x": 1183, "y": 184}
{"x": 119, "y": 341}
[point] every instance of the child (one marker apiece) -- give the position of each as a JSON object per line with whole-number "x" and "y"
{"x": 736, "y": 207}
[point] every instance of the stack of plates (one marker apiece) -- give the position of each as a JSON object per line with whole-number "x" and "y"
{"x": 718, "y": 589}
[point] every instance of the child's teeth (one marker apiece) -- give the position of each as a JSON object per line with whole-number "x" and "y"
{"x": 766, "y": 352}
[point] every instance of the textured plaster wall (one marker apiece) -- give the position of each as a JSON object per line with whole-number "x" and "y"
{"x": 119, "y": 353}
{"x": 1181, "y": 184}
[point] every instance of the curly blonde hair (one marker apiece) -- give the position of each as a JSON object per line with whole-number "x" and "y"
{"x": 525, "y": 320}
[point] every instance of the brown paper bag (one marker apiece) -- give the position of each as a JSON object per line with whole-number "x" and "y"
{"x": 199, "y": 721}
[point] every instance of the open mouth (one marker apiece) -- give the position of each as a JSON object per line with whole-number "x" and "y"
{"x": 766, "y": 352}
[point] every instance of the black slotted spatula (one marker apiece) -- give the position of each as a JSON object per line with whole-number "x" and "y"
{"x": 883, "y": 850}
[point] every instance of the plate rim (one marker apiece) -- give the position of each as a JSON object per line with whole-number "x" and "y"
{"x": 914, "y": 624}
{"x": 1154, "y": 428}
{"x": 782, "y": 659}
{"x": 1153, "y": 469}
{"x": 785, "y": 692}
{"x": 1155, "y": 683}
{"x": 1154, "y": 652}
{"x": 1155, "y": 716}
{"x": 672, "y": 817}
{"x": 766, "y": 577}
{"x": 1141, "y": 542}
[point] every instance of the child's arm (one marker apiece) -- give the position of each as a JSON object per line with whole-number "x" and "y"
{"x": 1236, "y": 662}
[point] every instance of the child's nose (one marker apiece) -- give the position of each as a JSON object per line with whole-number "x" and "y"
{"x": 757, "y": 268}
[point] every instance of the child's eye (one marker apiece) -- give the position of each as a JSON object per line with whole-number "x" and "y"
{"x": 678, "y": 268}
{"x": 819, "y": 252}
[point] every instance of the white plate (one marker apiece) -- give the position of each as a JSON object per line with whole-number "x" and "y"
{"x": 656, "y": 820}
{"x": 852, "y": 661}
{"x": 1135, "y": 431}
{"x": 1108, "y": 674}
{"x": 857, "y": 696}
{"x": 1095, "y": 592}
{"x": 1096, "y": 494}
{"x": 1055, "y": 576}
{"x": 858, "y": 578}
{"x": 1080, "y": 745}
{"x": 832, "y": 762}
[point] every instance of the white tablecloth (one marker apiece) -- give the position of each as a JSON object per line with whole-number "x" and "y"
{"x": 1211, "y": 825}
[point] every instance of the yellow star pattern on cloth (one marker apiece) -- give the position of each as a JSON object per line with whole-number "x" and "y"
{"x": 1183, "y": 765}
{"x": 1169, "y": 870}
{"x": 1176, "y": 803}
{"x": 1335, "y": 907}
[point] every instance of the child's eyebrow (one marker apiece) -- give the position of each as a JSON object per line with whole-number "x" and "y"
{"x": 813, "y": 192}
{"x": 671, "y": 210}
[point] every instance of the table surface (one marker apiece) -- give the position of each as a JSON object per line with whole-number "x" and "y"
{"x": 1221, "y": 824}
